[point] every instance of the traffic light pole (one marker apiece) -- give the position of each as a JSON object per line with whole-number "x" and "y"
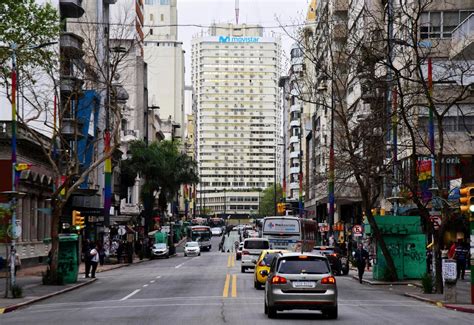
{"x": 471, "y": 228}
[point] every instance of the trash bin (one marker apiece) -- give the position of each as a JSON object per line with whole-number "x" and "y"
{"x": 68, "y": 261}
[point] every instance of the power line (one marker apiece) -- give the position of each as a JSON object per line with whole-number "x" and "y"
{"x": 183, "y": 25}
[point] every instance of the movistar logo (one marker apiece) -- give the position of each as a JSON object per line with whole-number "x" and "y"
{"x": 228, "y": 39}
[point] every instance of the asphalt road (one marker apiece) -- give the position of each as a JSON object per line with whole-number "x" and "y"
{"x": 210, "y": 289}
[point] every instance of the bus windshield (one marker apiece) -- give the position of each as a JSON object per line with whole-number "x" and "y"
{"x": 201, "y": 234}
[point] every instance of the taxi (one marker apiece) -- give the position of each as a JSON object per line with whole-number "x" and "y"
{"x": 263, "y": 263}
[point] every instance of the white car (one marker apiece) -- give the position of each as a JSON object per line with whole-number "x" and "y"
{"x": 192, "y": 249}
{"x": 216, "y": 231}
{"x": 160, "y": 250}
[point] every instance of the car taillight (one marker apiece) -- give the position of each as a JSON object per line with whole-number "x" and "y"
{"x": 335, "y": 255}
{"x": 328, "y": 280}
{"x": 278, "y": 280}
{"x": 245, "y": 253}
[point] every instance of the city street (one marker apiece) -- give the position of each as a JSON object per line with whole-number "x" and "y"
{"x": 210, "y": 289}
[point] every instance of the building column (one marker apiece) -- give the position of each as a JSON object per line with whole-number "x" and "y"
{"x": 34, "y": 218}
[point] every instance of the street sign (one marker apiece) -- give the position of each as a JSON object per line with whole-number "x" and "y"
{"x": 122, "y": 231}
{"x": 357, "y": 230}
{"x": 435, "y": 218}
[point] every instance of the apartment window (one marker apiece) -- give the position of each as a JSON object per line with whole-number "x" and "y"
{"x": 440, "y": 24}
{"x": 151, "y": 31}
{"x": 164, "y": 2}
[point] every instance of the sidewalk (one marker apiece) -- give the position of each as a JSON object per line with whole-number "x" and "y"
{"x": 33, "y": 290}
{"x": 413, "y": 289}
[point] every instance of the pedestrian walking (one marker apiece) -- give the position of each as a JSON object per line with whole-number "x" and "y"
{"x": 460, "y": 255}
{"x": 17, "y": 262}
{"x": 86, "y": 248}
{"x": 94, "y": 253}
{"x": 361, "y": 256}
{"x": 119, "y": 252}
{"x": 101, "y": 254}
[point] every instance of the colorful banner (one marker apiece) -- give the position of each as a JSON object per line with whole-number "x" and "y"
{"x": 424, "y": 179}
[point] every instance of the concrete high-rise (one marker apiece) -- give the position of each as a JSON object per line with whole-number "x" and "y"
{"x": 164, "y": 56}
{"x": 235, "y": 73}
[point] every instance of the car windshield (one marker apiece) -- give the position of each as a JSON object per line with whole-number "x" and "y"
{"x": 160, "y": 245}
{"x": 193, "y": 244}
{"x": 296, "y": 265}
{"x": 256, "y": 244}
{"x": 267, "y": 260}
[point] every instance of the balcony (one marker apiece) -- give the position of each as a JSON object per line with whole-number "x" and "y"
{"x": 295, "y": 123}
{"x": 71, "y": 128}
{"x": 70, "y": 85}
{"x": 295, "y": 108}
{"x": 340, "y": 30}
{"x": 294, "y": 154}
{"x": 71, "y": 45}
{"x": 341, "y": 5}
{"x": 294, "y": 139}
{"x": 71, "y": 8}
{"x": 129, "y": 135}
{"x": 462, "y": 41}
{"x": 294, "y": 170}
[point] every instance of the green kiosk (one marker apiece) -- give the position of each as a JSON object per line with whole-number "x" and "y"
{"x": 407, "y": 245}
{"x": 68, "y": 257}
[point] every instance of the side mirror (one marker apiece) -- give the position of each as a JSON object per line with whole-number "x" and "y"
{"x": 264, "y": 273}
{"x": 254, "y": 261}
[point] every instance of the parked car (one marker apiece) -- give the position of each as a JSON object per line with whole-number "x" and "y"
{"x": 160, "y": 250}
{"x": 339, "y": 262}
{"x": 253, "y": 247}
{"x": 300, "y": 281}
{"x": 192, "y": 249}
{"x": 263, "y": 263}
{"x": 238, "y": 254}
{"x": 216, "y": 231}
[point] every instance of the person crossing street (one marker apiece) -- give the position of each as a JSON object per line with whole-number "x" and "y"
{"x": 361, "y": 257}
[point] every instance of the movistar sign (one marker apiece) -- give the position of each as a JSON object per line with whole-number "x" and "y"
{"x": 228, "y": 39}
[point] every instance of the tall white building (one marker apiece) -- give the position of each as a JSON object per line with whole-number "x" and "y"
{"x": 235, "y": 73}
{"x": 164, "y": 56}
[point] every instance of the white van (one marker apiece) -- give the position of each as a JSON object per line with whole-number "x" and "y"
{"x": 251, "y": 251}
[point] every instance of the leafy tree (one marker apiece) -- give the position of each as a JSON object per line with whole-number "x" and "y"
{"x": 267, "y": 200}
{"x": 164, "y": 169}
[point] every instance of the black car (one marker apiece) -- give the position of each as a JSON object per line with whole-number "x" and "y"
{"x": 339, "y": 262}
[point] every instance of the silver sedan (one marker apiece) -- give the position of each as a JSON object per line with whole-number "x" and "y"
{"x": 300, "y": 281}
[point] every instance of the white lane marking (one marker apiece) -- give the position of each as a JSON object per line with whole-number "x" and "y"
{"x": 178, "y": 266}
{"x": 145, "y": 285}
{"x": 129, "y": 295}
{"x": 152, "y": 281}
{"x": 159, "y": 276}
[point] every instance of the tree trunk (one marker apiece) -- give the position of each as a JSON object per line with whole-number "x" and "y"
{"x": 55, "y": 218}
{"x": 380, "y": 241}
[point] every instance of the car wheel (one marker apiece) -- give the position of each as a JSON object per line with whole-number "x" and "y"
{"x": 265, "y": 308}
{"x": 167, "y": 255}
{"x": 242, "y": 269}
{"x": 272, "y": 312}
{"x": 199, "y": 254}
{"x": 331, "y": 313}
{"x": 257, "y": 285}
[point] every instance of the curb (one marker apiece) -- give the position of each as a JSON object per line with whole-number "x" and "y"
{"x": 430, "y": 301}
{"x": 387, "y": 283}
{"x": 460, "y": 308}
{"x": 32, "y": 301}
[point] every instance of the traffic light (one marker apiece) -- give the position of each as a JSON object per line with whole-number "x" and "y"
{"x": 77, "y": 220}
{"x": 467, "y": 199}
{"x": 281, "y": 208}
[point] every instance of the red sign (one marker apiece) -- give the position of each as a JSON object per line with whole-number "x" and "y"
{"x": 357, "y": 229}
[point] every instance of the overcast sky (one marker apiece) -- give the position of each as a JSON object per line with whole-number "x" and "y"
{"x": 269, "y": 13}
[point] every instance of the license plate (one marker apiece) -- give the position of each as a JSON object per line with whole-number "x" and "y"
{"x": 304, "y": 284}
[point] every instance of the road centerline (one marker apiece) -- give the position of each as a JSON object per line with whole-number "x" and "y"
{"x": 225, "y": 293}
{"x": 234, "y": 285}
{"x": 130, "y": 295}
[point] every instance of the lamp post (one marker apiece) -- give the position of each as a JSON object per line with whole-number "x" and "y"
{"x": 13, "y": 194}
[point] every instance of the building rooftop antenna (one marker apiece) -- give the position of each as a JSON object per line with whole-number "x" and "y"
{"x": 237, "y": 12}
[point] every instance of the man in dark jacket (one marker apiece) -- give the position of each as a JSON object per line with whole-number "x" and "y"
{"x": 86, "y": 253}
{"x": 361, "y": 256}
{"x": 461, "y": 254}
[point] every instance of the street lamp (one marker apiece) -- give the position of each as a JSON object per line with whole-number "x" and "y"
{"x": 13, "y": 194}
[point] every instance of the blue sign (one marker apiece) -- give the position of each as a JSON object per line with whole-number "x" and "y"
{"x": 228, "y": 39}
